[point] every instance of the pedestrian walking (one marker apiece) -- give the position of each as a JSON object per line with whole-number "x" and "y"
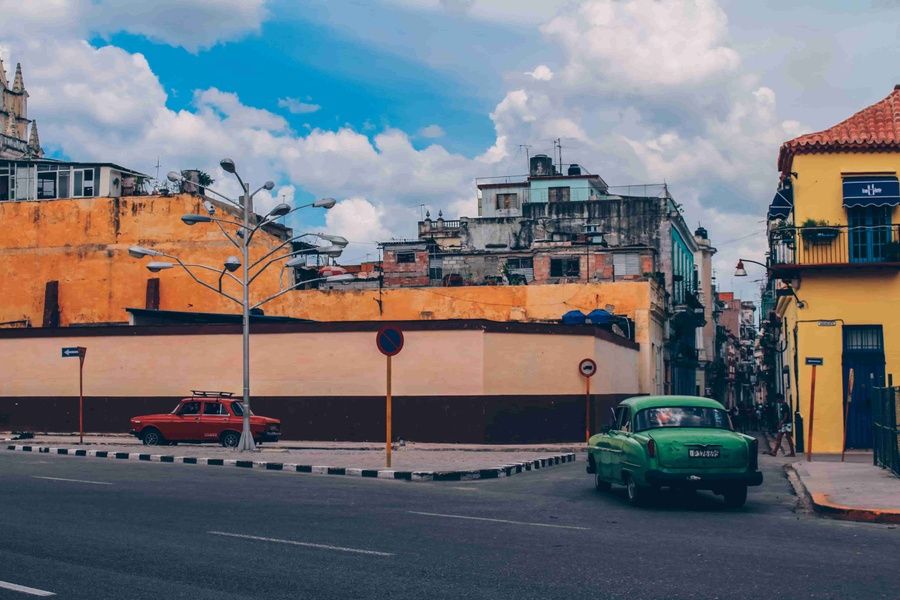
{"x": 785, "y": 427}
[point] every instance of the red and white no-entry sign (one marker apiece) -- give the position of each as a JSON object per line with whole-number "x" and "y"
{"x": 587, "y": 367}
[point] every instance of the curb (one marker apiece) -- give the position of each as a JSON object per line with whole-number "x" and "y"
{"x": 506, "y": 470}
{"x": 822, "y": 505}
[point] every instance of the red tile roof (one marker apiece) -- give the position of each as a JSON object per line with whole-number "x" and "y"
{"x": 873, "y": 129}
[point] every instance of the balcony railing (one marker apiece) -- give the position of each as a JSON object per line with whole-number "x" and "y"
{"x": 832, "y": 245}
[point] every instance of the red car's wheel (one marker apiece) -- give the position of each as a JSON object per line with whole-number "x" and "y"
{"x": 230, "y": 439}
{"x": 152, "y": 437}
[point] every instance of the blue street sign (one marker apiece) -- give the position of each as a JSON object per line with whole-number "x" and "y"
{"x": 815, "y": 361}
{"x": 74, "y": 352}
{"x": 389, "y": 340}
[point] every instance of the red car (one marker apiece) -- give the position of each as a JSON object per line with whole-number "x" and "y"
{"x": 204, "y": 417}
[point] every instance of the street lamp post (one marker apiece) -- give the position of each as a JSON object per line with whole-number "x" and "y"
{"x": 244, "y": 235}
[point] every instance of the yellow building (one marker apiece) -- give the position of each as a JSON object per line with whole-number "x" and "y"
{"x": 835, "y": 250}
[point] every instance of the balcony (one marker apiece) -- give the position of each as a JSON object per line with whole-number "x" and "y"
{"x": 795, "y": 249}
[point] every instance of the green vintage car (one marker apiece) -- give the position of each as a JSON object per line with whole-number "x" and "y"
{"x": 677, "y": 442}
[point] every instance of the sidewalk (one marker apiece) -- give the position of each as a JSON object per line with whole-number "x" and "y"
{"x": 123, "y": 439}
{"x": 853, "y": 491}
{"x": 412, "y": 462}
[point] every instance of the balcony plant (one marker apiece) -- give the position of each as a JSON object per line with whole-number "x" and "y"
{"x": 818, "y": 232}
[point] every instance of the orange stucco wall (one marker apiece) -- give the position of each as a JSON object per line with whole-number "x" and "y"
{"x": 83, "y": 244}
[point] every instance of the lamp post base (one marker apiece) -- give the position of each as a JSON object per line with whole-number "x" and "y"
{"x": 247, "y": 444}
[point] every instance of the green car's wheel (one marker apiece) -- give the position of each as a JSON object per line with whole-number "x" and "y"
{"x": 636, "y": 494}
{"x": 600, "y": 484}
{"x": 736, "y": 497}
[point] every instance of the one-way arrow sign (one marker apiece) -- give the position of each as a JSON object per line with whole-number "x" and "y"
{"x": 74, "y": 351}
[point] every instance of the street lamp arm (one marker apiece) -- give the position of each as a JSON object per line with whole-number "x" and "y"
{"x": 187, "y": 269}
{"x": 747, "y": 260}
{"x": 231, "y": 239}
{"x": 277, "y": 258}
{"x": 273, "y": 219}
{"x": 288, "y": 289}
{"x": 279, "y": 247}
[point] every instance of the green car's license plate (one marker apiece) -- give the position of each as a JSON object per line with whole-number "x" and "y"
{"x": 703, "y": 452}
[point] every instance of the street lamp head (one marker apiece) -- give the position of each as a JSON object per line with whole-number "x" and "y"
{"x": 334, "y": 239}
{"x": 297, "y": 261}
{"x": 232, "y": 263}
{"x": 174, "y": 176}
{"x": 280, "y": 210}
{"x": 739, "y": 270}
{"x": 194, "y": 219}
{"x": 269, "y": 185}
{"x": 157, "y": 266}
{"x": 227, "y": 165}
{"x": 344, "y": 278}
{"x": 141, "y": 252}
{"x": 331, "y": 251}
{"x": 325, "y": 203}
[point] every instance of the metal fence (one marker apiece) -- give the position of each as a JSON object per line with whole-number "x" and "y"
{"x": 886, "y": 436}
{"x": 832, "y": 245}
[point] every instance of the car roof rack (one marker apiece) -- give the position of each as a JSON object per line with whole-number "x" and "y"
{"x": 211, "y": 394}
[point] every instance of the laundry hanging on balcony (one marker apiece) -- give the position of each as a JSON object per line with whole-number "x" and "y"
{"x": 871, "y": 190}
{"x": 782, "y": 204}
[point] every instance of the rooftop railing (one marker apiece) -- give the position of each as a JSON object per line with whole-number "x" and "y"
{"x": 834, "y": 245}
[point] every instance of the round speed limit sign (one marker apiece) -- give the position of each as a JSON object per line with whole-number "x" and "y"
{"x": 587, "y": 367}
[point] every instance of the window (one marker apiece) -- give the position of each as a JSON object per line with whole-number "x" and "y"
{"x": 681, "y": 416}
{"x": 558, "y": 194}
{"x": 406, "y": 257}
{"x": 870, "y": 233}
{"x": 214, "y": 408}
{"x": 84, "y": 183}
{"x": 627, "y": 264}
{"x": 623, "y": 419}
{"x": 46, "y": 186}
{"x": 435, "y": 273}
{"x": 238, "y": 410}
{"x": 565, "y": 267}
{"x": 508, "y": 200}
{"x": 189, "y": 408}
{"x": 520, "y": 263}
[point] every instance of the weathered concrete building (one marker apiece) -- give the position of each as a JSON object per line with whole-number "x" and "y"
{"x": 560, "y": 224}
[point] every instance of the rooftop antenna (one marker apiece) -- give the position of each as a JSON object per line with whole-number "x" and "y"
{"x": 157, "y": 169}
{"x": 527, "y": 157}
{"x": 421, "y": 212}
{"x": 557, "y": 145}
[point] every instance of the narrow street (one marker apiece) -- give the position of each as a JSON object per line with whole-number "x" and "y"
{"x": 82, "y": 528}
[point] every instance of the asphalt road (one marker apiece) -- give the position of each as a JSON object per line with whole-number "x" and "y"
{"x": 93, "y": 529}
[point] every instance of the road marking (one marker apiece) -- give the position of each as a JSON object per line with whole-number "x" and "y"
{"x": 304, "y": 544}
{"x": 72, "y": 480}
{"x": 508, "y": 522}
{"x": 24, "y": 589}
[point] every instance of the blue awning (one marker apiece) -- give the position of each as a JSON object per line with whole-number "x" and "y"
{"x": 871, "y": 190}
{"x": 782, "y": 204}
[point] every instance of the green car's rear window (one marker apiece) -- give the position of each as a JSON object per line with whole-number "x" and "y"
{"x": 681, "y": 416}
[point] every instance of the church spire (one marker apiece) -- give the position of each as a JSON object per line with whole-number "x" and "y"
{"x": 34, "y": 142}
{"x": 11, "y": 126}
{"x": 18, "y": 84}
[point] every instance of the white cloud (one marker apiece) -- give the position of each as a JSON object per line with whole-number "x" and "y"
{"x": 432, "y": 131}
{"x": 192, "y": 24}
{"x": 297, "y": 106}
{"x": 641, "y": 45}
{"x": 541, "y": 73}
{"x": 358, "y": 220}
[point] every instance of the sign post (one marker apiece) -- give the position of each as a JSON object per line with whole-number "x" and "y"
{"x": 587, "y": 367}
{"x": 80, "y": 352}
{"x": 847, "y": 411}
{"x": 813, "y": 362}
{"x": 389, "y": 341}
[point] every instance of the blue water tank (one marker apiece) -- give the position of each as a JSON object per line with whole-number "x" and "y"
{"x": 598, "y": 316}
{"x": 573, "y": 317}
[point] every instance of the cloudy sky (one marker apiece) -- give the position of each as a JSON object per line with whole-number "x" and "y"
{"x": 388, "y": 105}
